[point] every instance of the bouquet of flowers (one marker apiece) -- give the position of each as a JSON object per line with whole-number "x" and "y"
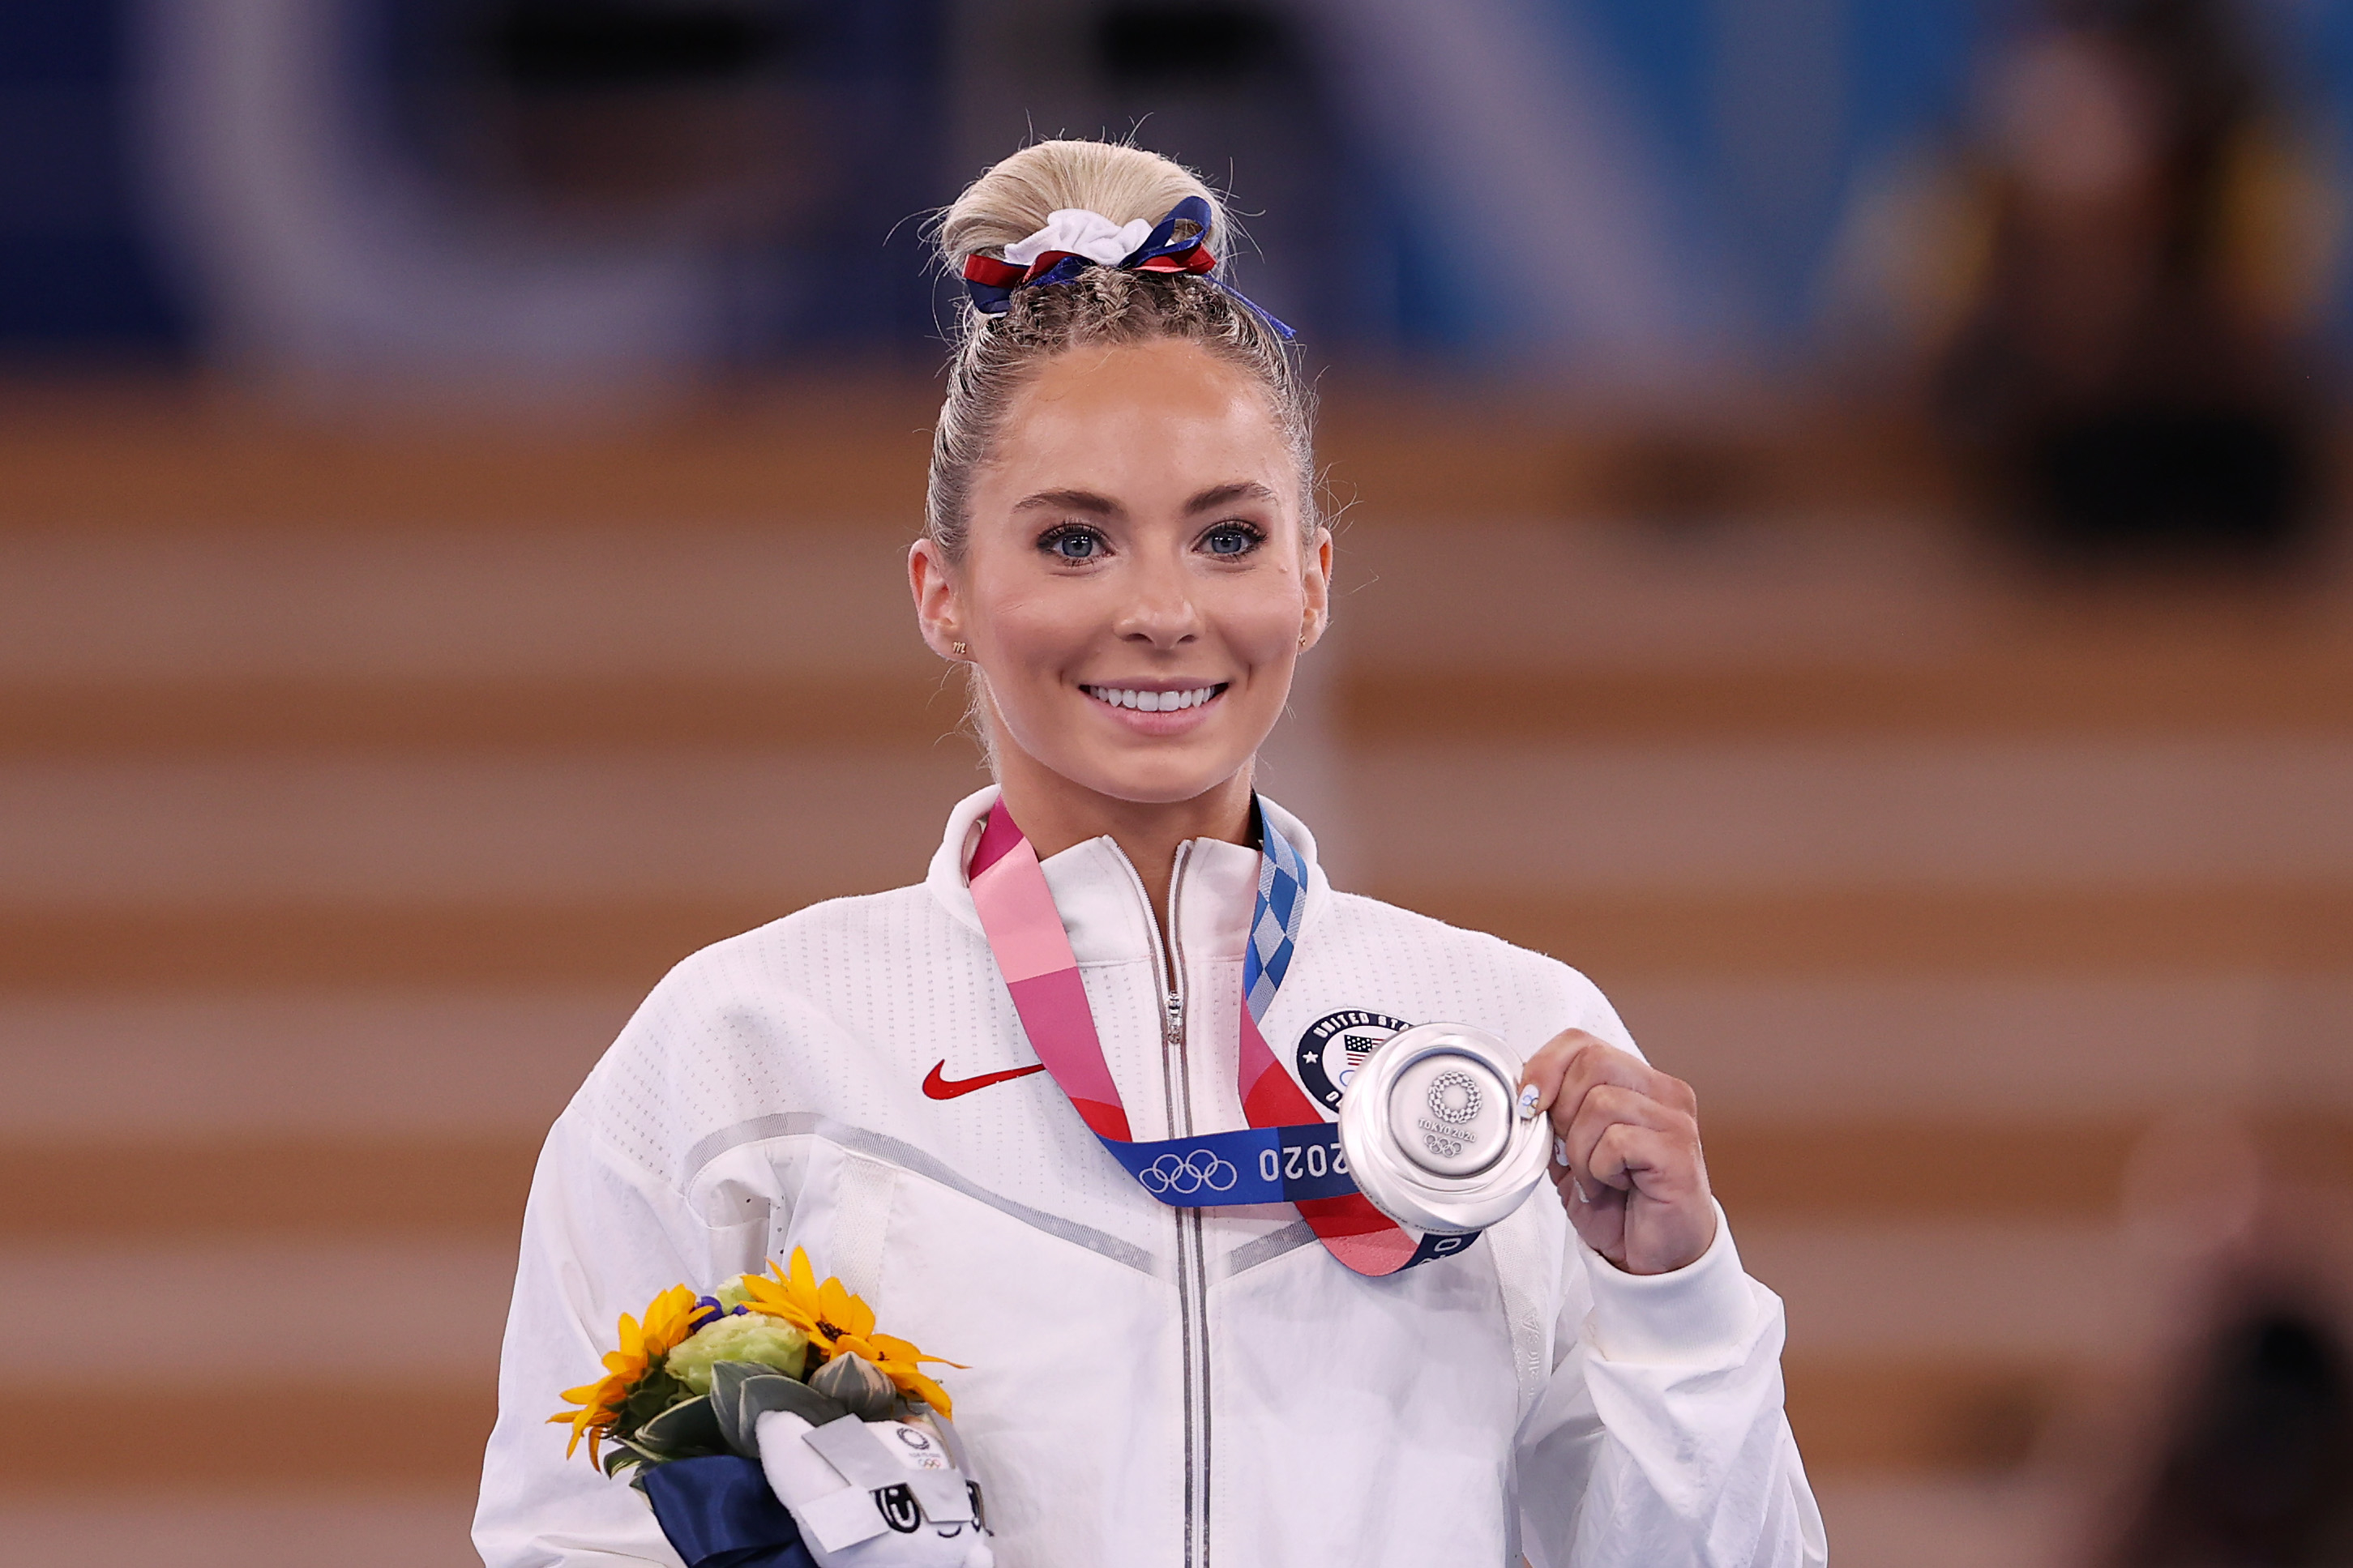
{"x": 777, "y": 1389}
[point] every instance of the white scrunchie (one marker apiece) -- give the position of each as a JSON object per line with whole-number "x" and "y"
{"x": 1081, "y": 233}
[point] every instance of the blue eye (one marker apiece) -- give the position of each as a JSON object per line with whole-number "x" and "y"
{"x": 1231, "y": 539}
{"x": 1075, "y": 543}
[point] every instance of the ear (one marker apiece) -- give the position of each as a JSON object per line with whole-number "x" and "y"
{"x": 1318, "y": 581}
{"x": 937, "y": 611}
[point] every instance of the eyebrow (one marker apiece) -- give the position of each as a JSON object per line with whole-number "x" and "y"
{"x": 1226, "y": 495}
{"x": 1208, "y": 499}
{"x": 1067, "y": 500}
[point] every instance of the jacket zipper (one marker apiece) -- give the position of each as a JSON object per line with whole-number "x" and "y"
{"x": 1192, "y": 1261}
{"x": 1192, "y": 1289}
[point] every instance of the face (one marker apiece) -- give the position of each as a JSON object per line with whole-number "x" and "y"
{"x": 1133, "y": 591}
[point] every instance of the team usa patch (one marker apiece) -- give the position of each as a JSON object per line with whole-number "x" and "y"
{"x": 1336, "y": 1045}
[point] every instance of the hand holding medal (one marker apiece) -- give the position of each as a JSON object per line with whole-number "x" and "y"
{"x": 1627, "y": 1154}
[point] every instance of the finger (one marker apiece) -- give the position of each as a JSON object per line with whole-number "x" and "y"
{"x": 1564, "y": 1175}
{"x": 1545, "y": 1069}
{"x": 1660, "y": 1166}
{"x": 1597, "y": 1213}
{"x": 1607, "y": 1064}
{"x": 1607, "y": 1105}
{"x": 1573, "y": 1061}
{"x": 1601, "y": 1065}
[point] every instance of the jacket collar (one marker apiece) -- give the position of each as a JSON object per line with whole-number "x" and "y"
{"x": 1102, "y": 899}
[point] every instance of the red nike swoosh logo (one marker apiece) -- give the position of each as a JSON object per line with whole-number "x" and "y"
{"x": 940, "y": 1087}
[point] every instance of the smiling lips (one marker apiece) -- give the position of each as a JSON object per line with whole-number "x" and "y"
{"x": 1152, "y": 701}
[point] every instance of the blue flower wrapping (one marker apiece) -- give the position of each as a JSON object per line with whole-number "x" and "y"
{"x": 719, "y": 1512}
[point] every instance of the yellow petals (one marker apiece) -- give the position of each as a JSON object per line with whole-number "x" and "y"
{"x": 844, "y": 1310}
{"x": 669, "y": 1319}
{"x": 931, "y": 1392}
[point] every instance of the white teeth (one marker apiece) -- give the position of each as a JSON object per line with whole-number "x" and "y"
{"x": 1151, "y": 701}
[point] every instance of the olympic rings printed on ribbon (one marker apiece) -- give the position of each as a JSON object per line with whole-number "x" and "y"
{"x": 1191, "y": 1172}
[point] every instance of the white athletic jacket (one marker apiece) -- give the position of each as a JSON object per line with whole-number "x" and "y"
{"x": 1149, "y": 1387}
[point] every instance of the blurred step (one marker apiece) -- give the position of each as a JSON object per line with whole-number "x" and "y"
{"x": 257, "y": 830}
{"x": 361, "y": 1524}
{"x": 434, "y": 601}
{"x": 180, "y": 1066}
{"x": 1953, "y": 1521}
{"x": 2078, "y": 815}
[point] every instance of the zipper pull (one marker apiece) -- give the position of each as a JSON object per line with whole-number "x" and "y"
{"x": 1174, "y": 1024}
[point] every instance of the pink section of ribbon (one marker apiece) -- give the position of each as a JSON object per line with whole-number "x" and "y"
{"x": 1269, "y": 1099}
{"x": 1025, "y": 929}
{"x": 1061, "y": 1029}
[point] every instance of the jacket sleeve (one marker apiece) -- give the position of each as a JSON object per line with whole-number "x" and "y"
{"x": 601, "y": 1237}
{"x": 1658, "y": 1440}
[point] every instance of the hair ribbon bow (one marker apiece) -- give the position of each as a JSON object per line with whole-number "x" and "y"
{"x": 1075, "y": 239}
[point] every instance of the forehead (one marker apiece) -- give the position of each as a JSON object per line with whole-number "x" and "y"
{"x": 1139, "y": 420}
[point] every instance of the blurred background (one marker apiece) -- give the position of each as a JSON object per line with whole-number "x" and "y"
{"x": 1843, "y": 541}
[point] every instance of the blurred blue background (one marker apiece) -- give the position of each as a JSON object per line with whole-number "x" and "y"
{"x": 1670, "y": 178}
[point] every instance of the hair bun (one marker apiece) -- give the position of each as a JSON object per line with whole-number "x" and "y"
{"x": 1014, "y": 199}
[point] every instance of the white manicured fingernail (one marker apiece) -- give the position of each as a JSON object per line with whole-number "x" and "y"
{"x": 1528, "y": 1102}
{"x": 1579, "y": 1187}
{"x": 1560, "y": 1151}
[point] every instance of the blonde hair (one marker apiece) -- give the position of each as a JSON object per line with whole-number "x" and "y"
{"x": 994, "y": 356}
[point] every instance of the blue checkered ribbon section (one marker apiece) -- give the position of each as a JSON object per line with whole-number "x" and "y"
{"x": 1274, "y": 923}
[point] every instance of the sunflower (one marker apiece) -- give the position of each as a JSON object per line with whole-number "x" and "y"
{"x": 669, "y": 1318}
{"x": 838, "y": 1324}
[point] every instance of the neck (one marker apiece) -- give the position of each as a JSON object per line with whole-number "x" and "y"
{"x": 1055, "y": 814}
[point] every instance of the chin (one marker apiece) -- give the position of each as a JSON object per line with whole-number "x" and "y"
{"x": 1156, "y": 787}
{"x": 1147, "y": 778}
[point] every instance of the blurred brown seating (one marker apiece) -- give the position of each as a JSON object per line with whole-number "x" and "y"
{"x": 228, "y": 601}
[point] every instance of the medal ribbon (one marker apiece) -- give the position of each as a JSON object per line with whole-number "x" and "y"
{"x": 1289, "y": 1153}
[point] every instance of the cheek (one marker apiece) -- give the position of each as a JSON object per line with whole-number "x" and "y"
{"x": 1262, "y": 627}
{"x": 1041, "y": 632}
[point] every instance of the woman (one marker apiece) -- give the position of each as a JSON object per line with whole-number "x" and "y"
{"x": 1123, "y": 543}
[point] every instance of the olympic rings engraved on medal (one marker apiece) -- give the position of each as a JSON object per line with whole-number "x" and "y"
{"x": 1187, "y": 1173}
{"x": 1446, "y": 1104}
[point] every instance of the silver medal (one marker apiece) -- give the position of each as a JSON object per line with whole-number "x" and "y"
{"x": 1435, "y": 1133}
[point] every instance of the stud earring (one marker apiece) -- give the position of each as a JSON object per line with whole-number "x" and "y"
{"x": 958, "y": 649}
{"x": 1302, "y": 637}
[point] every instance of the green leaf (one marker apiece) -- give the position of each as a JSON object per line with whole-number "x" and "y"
{"x": 858, "y": 1386}
{"x": 652, "y": 1394}
{"x": 684, "y": 1430}
{"x": 754, "y": 1396}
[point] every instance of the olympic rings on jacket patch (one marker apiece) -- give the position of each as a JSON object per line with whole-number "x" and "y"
{"x": 1202, "y": 1170}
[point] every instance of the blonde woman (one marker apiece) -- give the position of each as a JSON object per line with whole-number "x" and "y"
{"x": 1123, "y": 544}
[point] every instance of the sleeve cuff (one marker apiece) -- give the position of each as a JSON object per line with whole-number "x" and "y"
{"x": 1693, "y": 1315}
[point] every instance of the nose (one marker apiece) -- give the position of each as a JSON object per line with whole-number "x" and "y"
{"x": 1160, "y": 609}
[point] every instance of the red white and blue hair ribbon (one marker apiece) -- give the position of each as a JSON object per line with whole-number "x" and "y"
{"x": 991, "y": 280}
{"x": 1289, "y": 1153}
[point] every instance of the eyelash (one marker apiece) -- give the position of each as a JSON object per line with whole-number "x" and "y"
{"x": 1253, "y": 536}
{"x": 1050, "y": 540}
